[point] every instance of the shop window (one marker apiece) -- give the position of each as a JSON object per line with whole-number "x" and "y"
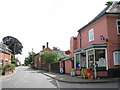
{"x": 77, "y": 61}
{"x": 100, "y": 58}
{"x": 116, "y": 56}
{"x": 118, "y": 26}
{"x": 91, "y": 35}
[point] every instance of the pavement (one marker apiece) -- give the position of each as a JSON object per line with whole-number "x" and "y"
{"x": 76, "y": 79}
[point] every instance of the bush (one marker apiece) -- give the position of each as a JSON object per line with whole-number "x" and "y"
{"x": 9, "y": 67}
{"x": 14, "y": 62}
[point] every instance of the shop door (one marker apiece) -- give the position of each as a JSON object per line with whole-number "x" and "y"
{"x": 90, "y": 61}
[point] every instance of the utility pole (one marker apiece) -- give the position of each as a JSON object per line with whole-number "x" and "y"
{"x": 32, "y": 56}
{"x": 14, "y": 49}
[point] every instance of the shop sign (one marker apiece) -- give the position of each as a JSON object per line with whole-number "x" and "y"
{"x": 72, "y": 72}
{"x": 67, "y": 52}
{"x": 102, "y": 38}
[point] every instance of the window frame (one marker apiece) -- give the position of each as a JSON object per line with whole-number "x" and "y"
{"x": 118, "y": 26}
{"x": 114, "y": 58}
{"x": 91, "y": 35}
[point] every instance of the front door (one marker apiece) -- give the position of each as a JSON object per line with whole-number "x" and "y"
{"x": 90, "y": 61}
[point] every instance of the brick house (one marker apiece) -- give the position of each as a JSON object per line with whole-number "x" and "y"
{"x": 98, "y": 43}
{"x": 5, "y": 55}
{"x": 37, "y": 61}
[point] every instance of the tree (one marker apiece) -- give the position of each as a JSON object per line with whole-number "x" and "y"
{"x": 14, "y": 63}
{"x": 49, "y": 57}
{"x": 30, "y": 59}
{"x": 13, "y": 44}
{"x": 26, "y": 61}
{"x": 12, "y": 57}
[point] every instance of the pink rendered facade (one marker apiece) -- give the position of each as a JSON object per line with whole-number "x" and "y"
{"x": 73, "y": 46}
{"x": 97, "y": 44}
{"x": 107, "y": 27}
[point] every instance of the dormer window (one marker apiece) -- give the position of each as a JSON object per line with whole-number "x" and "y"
{"x": 118, "y": 26}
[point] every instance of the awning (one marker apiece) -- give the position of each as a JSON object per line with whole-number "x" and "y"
{"x": 90, "y": 47}
{"x": 71, "y": 59}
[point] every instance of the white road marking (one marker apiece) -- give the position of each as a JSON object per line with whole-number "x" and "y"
{"x": 58, "y": 84}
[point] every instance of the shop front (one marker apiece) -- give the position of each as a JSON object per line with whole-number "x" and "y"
{"x": 93, "y": 56}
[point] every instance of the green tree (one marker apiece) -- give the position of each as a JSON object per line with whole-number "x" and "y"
{"x": 49, "y": 57}
{"x": 26, "y": 61}
{"x": 14, "y": 62}
{"x": 30, "y": 59}
{"x": 12, "y": 57}
{"x": 13, "y": 44}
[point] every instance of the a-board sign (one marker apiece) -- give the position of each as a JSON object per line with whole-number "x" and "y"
{"x": 84, "y": 72}
{"x": 72, "y": 72}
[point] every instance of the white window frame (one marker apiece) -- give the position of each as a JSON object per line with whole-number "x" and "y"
{"x": 115, "y": 62}
{"x": 118, "y": 26}
{"x": 91, "y": 35}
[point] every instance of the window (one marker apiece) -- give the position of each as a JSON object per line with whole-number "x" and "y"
{"x": 116, "y": 56}
{"x": 6, "y": 61}
{"x": 77, "y": 61}
{"x": 118, "y": 26}
{"x": 91, "y": 35}
{"x": 100, "y": 57}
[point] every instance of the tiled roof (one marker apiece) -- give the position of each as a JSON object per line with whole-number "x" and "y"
{"x": 113, "y": 9}
{"x": 46, "y": 49}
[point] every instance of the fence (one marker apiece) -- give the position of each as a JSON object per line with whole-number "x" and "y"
{"x": 54, "y": 67}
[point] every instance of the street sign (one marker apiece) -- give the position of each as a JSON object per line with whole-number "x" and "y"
{"x": 67, "y": 52}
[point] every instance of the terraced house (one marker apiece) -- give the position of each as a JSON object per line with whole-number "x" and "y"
{"x": 97, "y": 44}
{"x": 5, "y": 55}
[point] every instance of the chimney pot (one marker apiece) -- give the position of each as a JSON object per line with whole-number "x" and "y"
{"x": 43, "y": 47}
{"x": 47, "y": 44}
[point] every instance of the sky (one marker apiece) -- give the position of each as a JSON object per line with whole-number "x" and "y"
{"x": 35, "y": 22}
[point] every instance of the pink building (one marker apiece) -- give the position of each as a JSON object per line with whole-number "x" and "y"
{"x": 98, "y": 43}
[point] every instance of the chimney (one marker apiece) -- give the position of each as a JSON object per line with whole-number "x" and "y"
{"x": 43, "y": 47}
{"x": 47, "y": 44}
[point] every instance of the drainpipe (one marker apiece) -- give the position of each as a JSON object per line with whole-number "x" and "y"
{"x": 80, "y": 41}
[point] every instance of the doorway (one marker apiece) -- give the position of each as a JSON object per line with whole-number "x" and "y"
{"x": 90, "y": 61}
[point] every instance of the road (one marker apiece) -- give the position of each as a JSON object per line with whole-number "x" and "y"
{"x": 29, "y": 78}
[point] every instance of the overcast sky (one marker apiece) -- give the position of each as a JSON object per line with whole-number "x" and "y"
{"x": 35, "y": 22}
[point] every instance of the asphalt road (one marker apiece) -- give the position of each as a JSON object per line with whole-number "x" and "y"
{"x": 29, "y": 78}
